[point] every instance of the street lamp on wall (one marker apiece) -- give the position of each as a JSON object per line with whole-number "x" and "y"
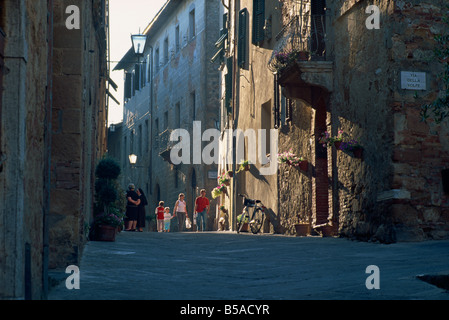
{"x": 132, "y": 159}
{"x": 139, "y": 41}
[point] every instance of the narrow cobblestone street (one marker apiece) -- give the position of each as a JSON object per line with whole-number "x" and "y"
{"x": 229, "y": 266}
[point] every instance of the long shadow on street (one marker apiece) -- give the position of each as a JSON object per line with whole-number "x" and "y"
{"x": 230, "y": 266}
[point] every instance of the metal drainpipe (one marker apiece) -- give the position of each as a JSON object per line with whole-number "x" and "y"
{"x": 234, "y": 105}
{"x": 150, "y": 66}
{"x": 47, "y": 146}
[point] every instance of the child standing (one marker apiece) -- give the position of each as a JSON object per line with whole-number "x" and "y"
{"x": 167, "y": 219}
{"x": 160, "y": 216}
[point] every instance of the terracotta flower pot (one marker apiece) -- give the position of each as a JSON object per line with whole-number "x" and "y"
{"x": 358, "y": 153}
{"x": 303, "y": 56}
{"x": 304, "y": 165}
{"x": 327, "y": 231}
{"x": 302, "y": 229}
{"x": 106, "y": 233}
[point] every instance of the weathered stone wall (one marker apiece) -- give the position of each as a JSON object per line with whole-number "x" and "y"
{"x": 421, "y": 151}
{"x": 395, "y": 192}
{"x": 76, "y": 91}
{"x": 295, "y": 185}
{"x": 359, "y": 107}
{"x": 78, "y": 138}
{"x": 22, "y": 142}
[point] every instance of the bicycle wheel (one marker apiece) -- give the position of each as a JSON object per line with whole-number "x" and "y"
{"x": 257, "y": 220}
{"x": 241, "y": 220}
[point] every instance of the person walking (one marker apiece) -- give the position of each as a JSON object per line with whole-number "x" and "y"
{"x": 132, "y": 207}
{"x": 180, "y": 211}
{"x": 141, "y": 210}
{"x": 202, "y": 209}
{"x": 160, "y": 216}
{"x": 167, "y": 219}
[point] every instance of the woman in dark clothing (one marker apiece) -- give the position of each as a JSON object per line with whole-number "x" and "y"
{"x": 141, "y": 210}
{"x": 131, "y": 207}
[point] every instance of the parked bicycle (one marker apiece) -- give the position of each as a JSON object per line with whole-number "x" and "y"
{"x": 257, "y": 217}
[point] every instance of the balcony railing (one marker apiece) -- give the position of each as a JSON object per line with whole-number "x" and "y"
{"x": 164, "y": 144}
{"x": 303, "y": 33}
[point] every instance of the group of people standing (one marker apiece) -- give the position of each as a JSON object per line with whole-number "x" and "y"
{"x": 135, "y": 211}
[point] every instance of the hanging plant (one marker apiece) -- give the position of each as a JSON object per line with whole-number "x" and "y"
{"x": 327, "y": 140}
{"x": 354, "y": 147}
{"x": 244, "y": 166}
{"x": 219, "y": 190}
{"x": 224, "y": 179}
{"x": 438, "y": 110}
{"x": 290, "y": 158}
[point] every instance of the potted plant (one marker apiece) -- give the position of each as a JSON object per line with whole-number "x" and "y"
{"x": 354, "y": 147}
{"x": 107, "y": 225}
{"x": 293, "y": 160}
{"x": 283, "y": 59}
{"x": 302, "y": 229}
{"x": 108, "y": 203}
{"x": 245, "y": 226}
{"x": 218, "y": 190}
{"x": 222, "y": 218}
{"x": 223, "y": 209}
{"x": 326, "y": 229}
{"x": 215, "y": 193}
{"x": 224, "y": 179}
{"x": 244, "y": 166}
{"x": 222, "y": 188}
{"x": 327, "y": 140}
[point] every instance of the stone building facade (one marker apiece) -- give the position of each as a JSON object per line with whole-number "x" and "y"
{"x": 350, "y": 82}
{"x": 52, "y": 132}
{"x": 173, "y": 86}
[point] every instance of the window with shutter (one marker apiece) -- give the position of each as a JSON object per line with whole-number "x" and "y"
{"x": 192, "y": 27}
{"x": 143, "y": 73}
{"x": 137, "y": 74}
{"x": 242, "y": 38}
{"x": 221, "y": 42}
{"x": 258, "y": 21}
{"x": 133, "y": 83}
{"x": 228, "y": 85}
{"x": 128, "y": 79}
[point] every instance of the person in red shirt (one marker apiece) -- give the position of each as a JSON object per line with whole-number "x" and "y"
{"x": 160, "y": 216}
{"x": 202, "y": 210}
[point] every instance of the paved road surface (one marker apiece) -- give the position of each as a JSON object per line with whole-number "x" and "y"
{"x": 230, "y": 266}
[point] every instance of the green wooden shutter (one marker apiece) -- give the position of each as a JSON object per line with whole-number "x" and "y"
{"x": 242, "y": 38}
{"x": 258, "y": 21}
{"x": 137, "y": 74}
{"x": 228, "y": 85}
{"x": 128, "y": 80}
